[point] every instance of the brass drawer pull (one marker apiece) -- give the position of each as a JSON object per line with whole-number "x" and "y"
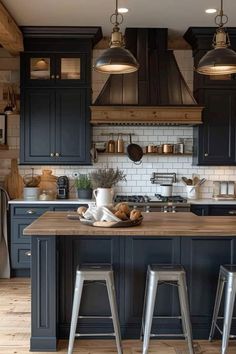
{"x": 232, "y": 212}
{"x": 30, "y": 211}
{"x": 28, "y": 253}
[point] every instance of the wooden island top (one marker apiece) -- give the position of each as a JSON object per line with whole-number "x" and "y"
{"x": 154, "y": 224}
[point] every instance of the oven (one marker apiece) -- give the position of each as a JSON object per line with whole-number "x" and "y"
{"x": 158, "y": 203}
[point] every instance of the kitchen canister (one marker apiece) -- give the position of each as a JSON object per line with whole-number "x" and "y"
{"x": 192, "y": 192}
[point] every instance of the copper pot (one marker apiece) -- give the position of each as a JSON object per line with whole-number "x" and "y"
{"x": 167, "y": 148}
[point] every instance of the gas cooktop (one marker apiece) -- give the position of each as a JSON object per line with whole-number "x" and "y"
{"x": 147, "y": 199}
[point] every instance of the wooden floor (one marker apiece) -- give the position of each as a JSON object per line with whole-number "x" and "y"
{"x": 15, "y": 330}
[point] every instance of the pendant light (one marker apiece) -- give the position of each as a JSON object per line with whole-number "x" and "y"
{"x": 221, "y": 60}
{"x": 116, "y": 59}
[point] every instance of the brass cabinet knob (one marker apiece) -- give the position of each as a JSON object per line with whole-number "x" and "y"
{"x": 52, "y": 154}
{"x": 232, "y": 212}
{"x": 206, "y": 154}
{"x": 52, "y": 76}
{"x": 30, "y": 211}
{"x": 57, "y": 76}
{"x": 57, "y": 154}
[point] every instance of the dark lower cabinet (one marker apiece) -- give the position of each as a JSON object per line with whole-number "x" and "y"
{"x": 139, "y": 253}
{"x": 83, "y": 250}
{"x": 55, "y": 129}
{"x": 130, "y": 256}
{"x": 214, "y": 210}
{"x": 202, "y": 257}
{"x": 22, "y": 215}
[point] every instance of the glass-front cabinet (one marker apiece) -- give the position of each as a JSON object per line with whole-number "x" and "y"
{"x": 59, "y": 69}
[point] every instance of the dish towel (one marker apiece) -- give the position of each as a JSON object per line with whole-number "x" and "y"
{"x": 4, "y": 253}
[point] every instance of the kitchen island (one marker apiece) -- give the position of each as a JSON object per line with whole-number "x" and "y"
{"x": 200, "y": 244}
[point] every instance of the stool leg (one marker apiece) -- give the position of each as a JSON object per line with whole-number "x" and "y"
{"x": 149, "y": 309}
{"x": 114, "y": 311}
{"x": 75, "y": 311}
{"x": 228, "y": 312}
{"x": 184, "y": 306}
{"x": 219, "y": 293}
{"x": 144, "y": 307}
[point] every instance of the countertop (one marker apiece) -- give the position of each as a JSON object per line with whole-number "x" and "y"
{"x": 89, "y": 201}
{"x": 154, "y": 224}
{"x": 55, "y": 201}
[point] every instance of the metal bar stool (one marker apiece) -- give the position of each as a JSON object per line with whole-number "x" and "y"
{"x": 94, "y": 273}
{"x": 172, "y": 275}
{"x": 227, "y": 275}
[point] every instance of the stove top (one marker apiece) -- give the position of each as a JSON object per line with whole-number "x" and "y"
{"x": 146, "y": 199}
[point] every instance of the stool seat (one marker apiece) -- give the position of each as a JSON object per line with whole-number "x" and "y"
{"x": 227, "y": 279}
{"x": 172, "y": 275}
{"x": 94, "y": 272}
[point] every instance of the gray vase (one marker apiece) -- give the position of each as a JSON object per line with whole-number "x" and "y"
{"x": 85, "y": 193}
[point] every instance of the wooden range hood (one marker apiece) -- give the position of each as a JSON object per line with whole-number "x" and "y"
{"x": 155, "y": 95}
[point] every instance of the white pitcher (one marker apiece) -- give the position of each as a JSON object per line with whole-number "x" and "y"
{"x": 104, "y": 196}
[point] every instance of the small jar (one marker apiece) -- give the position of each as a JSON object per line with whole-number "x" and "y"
{"x": 120, "y": 144}
{"x": 111, "y": 145}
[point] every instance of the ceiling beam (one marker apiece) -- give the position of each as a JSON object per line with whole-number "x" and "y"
{"x": 10, "y": 35}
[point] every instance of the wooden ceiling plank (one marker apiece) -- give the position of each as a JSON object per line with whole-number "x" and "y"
{"x": 10, "y": 35}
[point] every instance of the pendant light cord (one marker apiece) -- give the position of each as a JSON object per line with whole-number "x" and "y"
{"x": 118, "y": 17}
{"x": 221, "y": 19}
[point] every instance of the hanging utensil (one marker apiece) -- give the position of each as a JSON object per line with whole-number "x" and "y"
{"x": 8, "y": 109}
{"x": 135, "y": 152}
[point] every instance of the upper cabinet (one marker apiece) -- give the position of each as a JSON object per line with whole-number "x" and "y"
{"x": 56, "y": 95}
{"x": 61, "y": 69}
{"x": 214, "y": 140}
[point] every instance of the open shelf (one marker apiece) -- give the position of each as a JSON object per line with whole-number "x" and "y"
{"x": 145, "y": 154}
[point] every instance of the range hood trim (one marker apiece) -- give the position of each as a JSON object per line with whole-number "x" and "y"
{"x": 147, "y": 115}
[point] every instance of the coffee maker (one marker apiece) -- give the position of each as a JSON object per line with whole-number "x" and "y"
{"x": 62, "y": 187}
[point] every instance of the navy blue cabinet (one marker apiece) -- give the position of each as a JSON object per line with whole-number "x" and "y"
{"x": 216, "y": 137}
{"x": 214, "y": 140}
{"x": 56, "y": 95}
{"x": 55, "y": 128}
{"x": 214, "y": 210}
{"x": 22, "y": 215}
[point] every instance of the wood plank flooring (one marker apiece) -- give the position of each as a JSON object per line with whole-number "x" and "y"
{"x": 15, "y": 330}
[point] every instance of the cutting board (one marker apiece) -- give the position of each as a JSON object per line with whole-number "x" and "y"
{"x": 14, "y": 182}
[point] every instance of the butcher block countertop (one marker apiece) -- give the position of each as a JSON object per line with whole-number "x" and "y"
{"x": 154, "y": 224}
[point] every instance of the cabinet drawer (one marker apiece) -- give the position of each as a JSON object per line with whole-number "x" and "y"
{"x": 17, "y": 228}
{"x": 29, "y": 211}
{"x": 20, "y": 256}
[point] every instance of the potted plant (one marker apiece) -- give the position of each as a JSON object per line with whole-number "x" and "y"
{"x": 84, "y": 187}
{"x": 103, "y": 181}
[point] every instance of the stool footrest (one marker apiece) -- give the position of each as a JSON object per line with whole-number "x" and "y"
{"x": 102, "y": 317}
{"x": 94, "y": 334}
{"x": 167, "y": 335}
{"x": 168, "y": 317}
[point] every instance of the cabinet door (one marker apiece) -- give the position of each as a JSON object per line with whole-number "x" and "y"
{"x": 139, "y": 253}
{"x": 37, "y": 126}
{"x": 72, "y": 126}
{"x": 37, "y": 69}
{"x": 55, "y": 69}
{"x": 217, "y": 134}
{"x": 222, "y": 210}
{"x": 202, "y": 257}
{"x": 72, "y": 70}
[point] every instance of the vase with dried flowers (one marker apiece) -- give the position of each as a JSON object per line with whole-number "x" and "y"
{"x": 103, "y": 181}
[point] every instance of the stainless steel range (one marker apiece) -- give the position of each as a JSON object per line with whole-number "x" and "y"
{"x": 159, "y": 203}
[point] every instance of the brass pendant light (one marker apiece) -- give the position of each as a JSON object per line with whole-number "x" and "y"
{"x": 221, "y": 60}
{"x": 116, "y": 59}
